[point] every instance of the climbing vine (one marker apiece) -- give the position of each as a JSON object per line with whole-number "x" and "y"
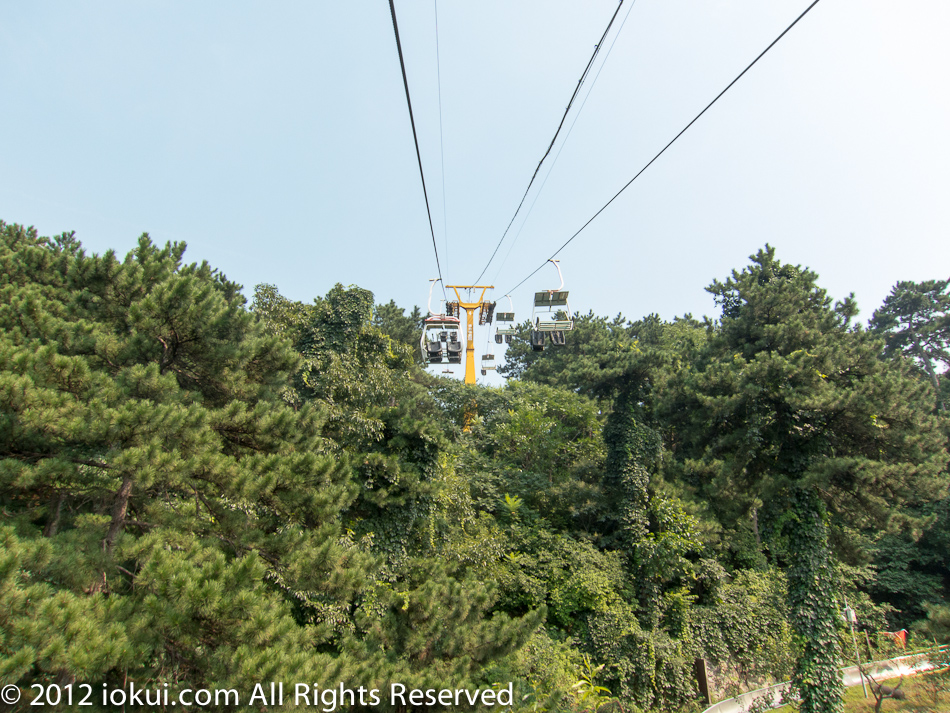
{"x": 812, "y": 597}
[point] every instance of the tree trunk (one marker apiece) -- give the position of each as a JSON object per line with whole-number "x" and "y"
{"x": 930, "y": 372}
{"x": 813, "y": 606}
{"x": 119, "y": 508}
{"x": 56, "y": 511}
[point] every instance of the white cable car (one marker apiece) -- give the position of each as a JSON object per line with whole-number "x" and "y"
{"x": 507, "y": 332}
{"x": 551, "y": 315}
{"x": 440, "y": 337}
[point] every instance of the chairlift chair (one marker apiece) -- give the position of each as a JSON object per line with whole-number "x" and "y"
{"x": 485, "y": 312}
{"x": 437, "y": 334}
{"x": 551, "y": 315}
{"x": 537, "y": 340}
{"x": 505, "y": 333}
{"x": 454, "y": 348}
{"x": 439, "y": 339}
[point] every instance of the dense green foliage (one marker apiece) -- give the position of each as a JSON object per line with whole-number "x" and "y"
{"x": 915, "y": 322}
{"x": 183, "y": 493}
{"x": 203, "y": 493}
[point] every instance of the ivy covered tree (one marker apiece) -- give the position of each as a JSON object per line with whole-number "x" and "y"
{"x": 789, "y": 419}
{"x": 401, "y": 327}
{"x": 623, "y": 504}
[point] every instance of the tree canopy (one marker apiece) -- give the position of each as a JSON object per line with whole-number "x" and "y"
{"x": 200, "y": 492}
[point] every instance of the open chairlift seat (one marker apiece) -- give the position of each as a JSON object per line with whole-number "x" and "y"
{"x": 551, "y": 315}
{"x": 504, "y": 334}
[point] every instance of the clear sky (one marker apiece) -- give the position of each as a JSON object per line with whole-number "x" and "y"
{"x": 275, "y": 140}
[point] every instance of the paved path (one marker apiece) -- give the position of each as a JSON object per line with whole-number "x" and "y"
{"x": 773, "y": 695}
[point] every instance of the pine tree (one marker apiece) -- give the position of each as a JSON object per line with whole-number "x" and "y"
{"x": 915, "y": 322}
{"x": 168, "y": 517}
{"x": 788, "y": 418}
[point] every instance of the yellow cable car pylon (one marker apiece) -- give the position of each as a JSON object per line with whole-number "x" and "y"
{"x": 485, "y": 311}
{"x": 470, "y": 308}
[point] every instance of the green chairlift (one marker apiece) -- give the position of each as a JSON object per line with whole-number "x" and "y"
{"x": 504, "y": 334}
{"x": 551, "y": 315}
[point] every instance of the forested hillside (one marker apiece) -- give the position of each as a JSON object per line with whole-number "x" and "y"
{"x": 206, "y": 493}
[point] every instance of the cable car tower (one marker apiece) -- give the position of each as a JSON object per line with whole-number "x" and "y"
{"x": 486, "y": 311}
{"x": 440, "y": 343}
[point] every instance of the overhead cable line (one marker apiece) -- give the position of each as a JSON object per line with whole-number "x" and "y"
{"x": 663, "y": 150}
{"x": 564, "y": 143}
{"x": 438, "y": 72}
{"x": 577, "y": 90}
{"x": 415, "y": 138}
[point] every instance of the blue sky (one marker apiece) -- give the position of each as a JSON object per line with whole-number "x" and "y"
{"x": 275, "y": 141}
